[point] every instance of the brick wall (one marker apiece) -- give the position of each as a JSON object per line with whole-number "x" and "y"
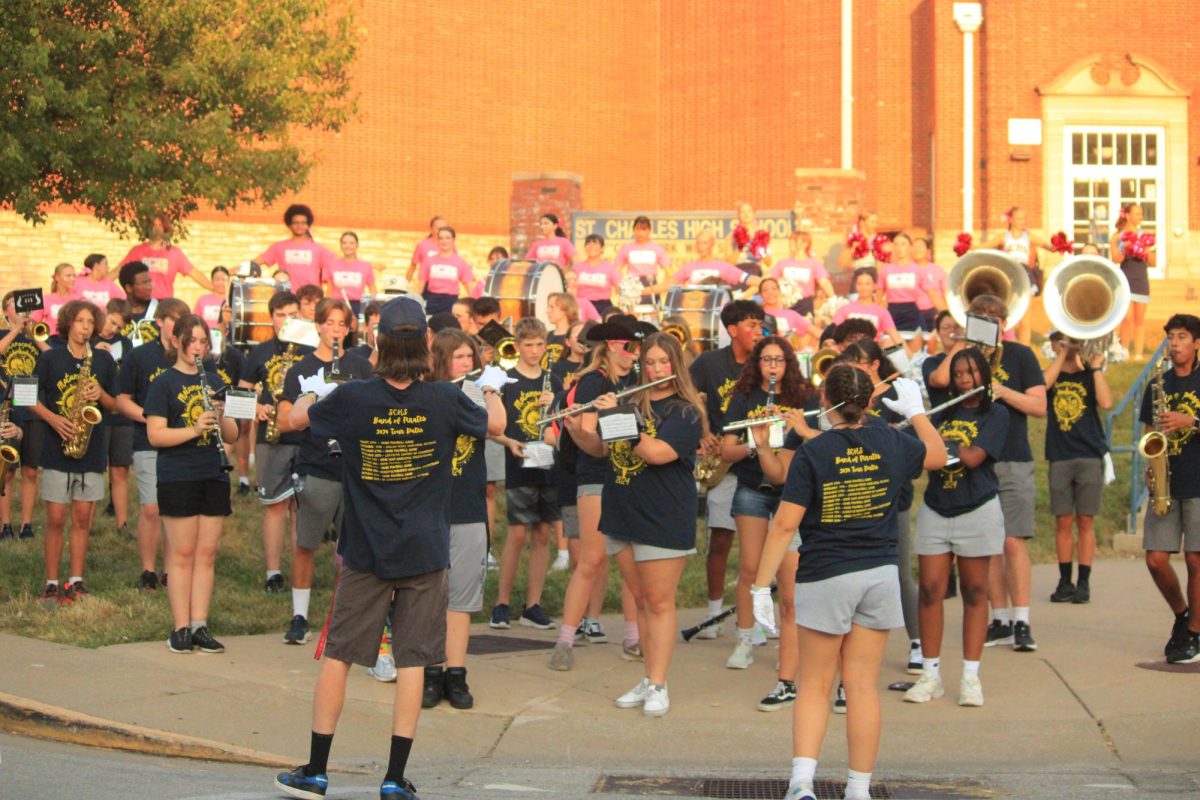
{"x": 538, "y": 193}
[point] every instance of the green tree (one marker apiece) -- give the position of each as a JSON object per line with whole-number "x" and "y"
{"x": 129, "y": 108}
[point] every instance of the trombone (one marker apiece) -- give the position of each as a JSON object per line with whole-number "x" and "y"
{"x": 579, "y": 409}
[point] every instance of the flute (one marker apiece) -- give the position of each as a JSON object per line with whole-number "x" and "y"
{"x": 475, "y": 373}
{"x": 743, "y": 424}
{"x": 940, "y": 408}
{"x": 579, "y": 409}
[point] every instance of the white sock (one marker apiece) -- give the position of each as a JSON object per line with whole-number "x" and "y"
{"x": 1022, "y": 613}
{"x": 300, "y": 598}
{"x": 714, "y": 607}
{"x": 970, "y": 668}
{"x": 745, "y": 635}
{"x": 932, "y": 666}
{"x": 803, "y": 770}
{"x": 243, "y": 481}
{"x": 197, "y": 624}
{"x": 858, "y": 785}
{"x": 52, "y": 582}
{"x": 273, "y": 572}
{"x": 74, "y": 579}
{"x": 563, "y": 555}
{"x": 1001, "y": 615}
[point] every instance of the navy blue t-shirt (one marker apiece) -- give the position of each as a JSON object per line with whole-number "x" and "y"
{"x": 313, "y": 457}
{"x": 1073, "y": 428}
{"x": 179, "y": 399}
{"x": 655, "y": 504}
{"x": 123, "y": 347}
{"x": 1183, "y": 446}
{"x": 522, "y": 411}
{"x": 715, "y": 373}
{"x": 468, "y": 489}
{"x": 398, "y": 447}
{"x": 848, "y": 480}
{"x": 267, "y": 366}
{"x": 955, "y": 490}
{"x": 1018, "y": 370}
{"x": 19, "y": 361}
{"x": 57, "y": 370}
{"x": 230, "y": 366}
{"x": 588, "y": 469}
{"x": 139, "y": 370}
{"x": 937, "y": 396}
{"x": 564, "y": 369}
{"x": 748, "y": 471}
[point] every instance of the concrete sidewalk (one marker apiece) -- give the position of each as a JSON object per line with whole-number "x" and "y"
{"x": 1079, "y": 703}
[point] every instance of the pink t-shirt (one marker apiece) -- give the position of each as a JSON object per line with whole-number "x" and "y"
{"x": 51, "y": 303}
{"x": 932, "y": 280}
{"x": 305, "y": 262}
{"x": 596, "y": 282}
{"x": 700, "y": 271}
{"x": 349, "y": 278}
{"x": 804, "y": 273}
{"x": 558, "y": 250}
{"x": 876, "y": 315}
{"x": 425, "y": 247}
{"x": 164, "y": 263}
{"x": 208, "y": 307}
{"x": 902, "y": 283}
{"x": 789, "y": 321}
{"x": 642, "y": 260}
{"x": 98, "y": 292}
{"x": 587, "y": 311}
{"x": 442, "y": 274}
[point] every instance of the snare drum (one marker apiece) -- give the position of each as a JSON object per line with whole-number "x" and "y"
{"x": 251, "y": 318}
{"x": 524, "y": 287}
{"x": 700, "y": 307}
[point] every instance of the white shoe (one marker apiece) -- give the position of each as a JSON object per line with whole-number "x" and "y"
{"x": 635, "y": 696}
{"x": 914, "y": 666}
{"x": 384, "y": 670}
{"x": 758, "y": 636}
{"x": 562, "y": 562}
{"x": 970, "y": 691}
{"x": 657, "y": 703}
{"x": 492, "y": 563}
{"x": 711, "y": 632}
{"x": 928, "y": 687}
{"x": 741, "y": 657}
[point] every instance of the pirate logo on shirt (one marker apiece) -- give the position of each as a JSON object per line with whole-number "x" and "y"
{"x": 725, "y": 392}
{"x": 1185, "y": 403}
{"x": 961, "y": 432}
{"x": 464, "y": 450}
{"x": 529, "y": 413}
{"x": 276, "y": 368}
{"x": 224, "y": 375}
{"x": 67, "y": 386}
{"x": 20, "y": 359}
{"x": 1070, "y": 402}
{"x": 553, "y": 353}
{"x": 147, "y": 331}
{"x": 1000, "y": 375}
{"x": 627, "y": 464}
{"x": 192, "y": 400}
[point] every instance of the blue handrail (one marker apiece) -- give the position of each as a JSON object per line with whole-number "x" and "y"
{"x": 1131, "y": 404}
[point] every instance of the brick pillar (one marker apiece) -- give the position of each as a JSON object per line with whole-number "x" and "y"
{"x": 537, "y": 193}
{"x": 827, "y": 206}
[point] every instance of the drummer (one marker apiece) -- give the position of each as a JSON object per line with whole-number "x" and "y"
{"x": 708, "y": 269}
{"x": 644, "y": 260}
{"x": 442, "y": 273}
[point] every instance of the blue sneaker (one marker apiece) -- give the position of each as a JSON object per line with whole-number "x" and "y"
{"x": 404, "y": 790}
{"x": 297, "y": 784}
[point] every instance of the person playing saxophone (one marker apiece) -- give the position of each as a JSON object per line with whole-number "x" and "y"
{"x": 1178, "y": 418}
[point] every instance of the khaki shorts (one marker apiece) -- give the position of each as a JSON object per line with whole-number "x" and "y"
{"x": 719, "y": 502}
{"x": 1075, "y": 485}
{"x": 145, "y": 472}
{"x": 64, "y": 487}
{"x": 416, "y": 607}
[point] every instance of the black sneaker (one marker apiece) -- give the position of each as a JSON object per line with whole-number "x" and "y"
{"x": 1083, "y": 594}
{"x": 435, "y": 679}
{"x": 243, "y": 489}
{"x": 1023, "y": 638}
{"x": 782, "y": 696}
{"x": 50, "y": 597}
{"x": 297, "y": 632}
{"x": 398, "y": 790}
{"x": 952, "y": 585}
{"x": 839, "y": 701}
{"x": 7, "y": 532}
{"x": 162, "y": 580}
{"x": 1064, "y": 593}
{"x": 999, "y": 633}
{"x": 534, "y": 617}
{"x": 205, "y": 643}
{"x": 148, "y": 581}
{"x": 79, "y": 591}
{"x": 297, "y": 784}
{"x": 26, "y": 531}
{"x": 1179, "y": 632}
{"x": 180, "y": 641}
{"x": 275, "y": 584}
{"x": 499, "y": 619}
{"x": 455, "y": 688}
{"x": 110, "y": 511}
{"x": 1187, "y": 651}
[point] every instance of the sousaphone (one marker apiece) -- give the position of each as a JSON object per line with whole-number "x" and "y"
{"x": 1086, "y": 298}
{"x": 992, "y": 272}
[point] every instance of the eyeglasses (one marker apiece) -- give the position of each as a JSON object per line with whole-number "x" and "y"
{"x": 772, "y": 360}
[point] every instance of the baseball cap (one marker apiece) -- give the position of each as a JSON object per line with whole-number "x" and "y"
{"x": 402, "y": 318}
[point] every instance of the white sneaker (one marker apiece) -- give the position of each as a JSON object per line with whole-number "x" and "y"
{"x": 711, "y": 632}
{"x": 970, "y": 691}
{"x": 635, "y": 696}
{"x": 741, "y": 657}
{"x": 657, "y": 703}
{"x": 758, "y": 636}
{"x": 384, "y": 670}
{"x": 914, "y": 666}
{"x": 562, "y": 562}
{"x": 928, "y": 687}
{"x": 492, "y": 563}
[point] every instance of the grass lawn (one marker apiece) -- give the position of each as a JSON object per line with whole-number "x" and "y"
{"x": 117, "y": 612}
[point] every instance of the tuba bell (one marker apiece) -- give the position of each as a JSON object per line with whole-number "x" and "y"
{"x": 1086, "y": 298}
{"x": 821, "y": 361}
{"x": 988, "y": 272}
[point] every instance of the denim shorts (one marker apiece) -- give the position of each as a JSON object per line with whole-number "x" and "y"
{"x": 749, "y": 502}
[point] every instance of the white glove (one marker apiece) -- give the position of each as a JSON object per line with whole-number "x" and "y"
{"x": 493, "y": 378}
{"x": 764, "y": 608}
{"x": 316, "y": 384}
{"x": 908, "y": 402}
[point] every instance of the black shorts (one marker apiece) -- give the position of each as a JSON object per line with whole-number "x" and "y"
{"x": 928, "y": 315}
{"x": 207, "y": 498}
{"x": 33, "y": 433}
{"x": 120, "y": 445}
{"x": 906, "y": 316}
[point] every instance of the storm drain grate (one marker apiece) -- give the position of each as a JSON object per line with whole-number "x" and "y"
{"x": 774, "y": 789}
{"x": 488, "y": 644}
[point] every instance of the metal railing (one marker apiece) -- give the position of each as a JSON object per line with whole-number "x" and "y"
{"x": 1131, "y": 405}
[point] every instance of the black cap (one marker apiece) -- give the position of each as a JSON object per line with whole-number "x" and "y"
{"x": 621, "y": 327}
{"x": 402, "y": 318}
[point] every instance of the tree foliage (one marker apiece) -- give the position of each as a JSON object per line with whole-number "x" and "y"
{"x": 131, "y": 108}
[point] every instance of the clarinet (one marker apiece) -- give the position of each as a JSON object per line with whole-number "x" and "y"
{"x": 335, "y": 376}
{"x": 206, "y": 396}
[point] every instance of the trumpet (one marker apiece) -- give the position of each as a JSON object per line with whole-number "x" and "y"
{"x": 506, "y": 354}
{"x": 39, "y": 331}
{"x": 820, "y": 363}
{"x": 579, "y": 409}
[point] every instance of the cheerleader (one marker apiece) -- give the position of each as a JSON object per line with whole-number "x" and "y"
{"x": 865, "y": 308}
{"x": 186, "y": 426}
{"x": 649, "y": 506}
{"x": 166, "y": 260}
{"x": 301, "y": 259}
{"x": 554, "y": 244}
{"x": 806, "y": 273}
{"x": 747, "y": 219}
{"x": 596, "y": 279}
{"x": 789, "y": 323}
{"x": 211, "y": 306}
{"x": 1022, "y": 244}
{"x": 868, "y": 226}
{"x": 427, "y": 247}
{"x": 441, "y": 273}
{"x": 903, "y": 285}
{"x": 62, "y": 286}
{"x": 349, "y": 277}
{"x": 1133, "y": 327}
{"x": 932, "y": 298}
{"x": 841, "y": 492}
{"x": 645, "y": 260}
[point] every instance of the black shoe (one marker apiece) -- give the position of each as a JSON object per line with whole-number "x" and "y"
{"x": 398, "y": 790}
{"x": 180, "y": 641}
{"x": 1064, "y": 593}
{"x": 7, "y": 532}
{"x": 148, "y": 581}
{"x": 534, "y": 617}
{"x": 299, "y": 784}
{"x": 275, "y": 584}
{"x": 435, "y": 678}
{"x": 499, "y": 619}
{"x": 952, "y": 586}
{"x": 1187, "y": 651}
{"x": 1023, "y": 638}
{"x": 999, "y": 633}
{"x": 455, "y": 688}
{"x": 205, "y": 643}
{"x": 297, "y": 631}
{"x": 110, "y": 511}
{"x": 1083, "y": 594}
{"x": 162, "y": 580}
{"x": 1179, "y": 632}
{"x": 26, "y": 531}
{"x": 243, "y": 489}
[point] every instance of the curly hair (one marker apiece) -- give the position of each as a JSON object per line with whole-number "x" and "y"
{"x": 793, "y": 390}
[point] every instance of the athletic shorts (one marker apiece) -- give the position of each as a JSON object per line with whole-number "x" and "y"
{"x": 65, "y": 487}
{"x": 318, "y": 505}
{"x": 33, "y": 434}
{"x": 643, "y": 552}
{"x": 207, "y": 498}
{"x": 273, "y": 472}
{"x": 907, "y": 318}
{"x": 416, "y": 607}
{"x": 719, "y": 503}
{"x": 529, "y": 505}
{"x": 570, "y": 521}
{"x": 1017, "y": 495}
{"x": 1075, "y": 486}
{"x": 493, "y": 455}
{"x": 120, "y": 445}
{"x": 749, "y": 502}
{"x": 975, "y": 534}
{"x": 145, "y": 473}
{"x": 928, "y": 315}
{"x": 1180, "y": 526}
{"x": 468, "y": 566}
{"x": 589, "y": 490}
{"x": 869, "y": 598}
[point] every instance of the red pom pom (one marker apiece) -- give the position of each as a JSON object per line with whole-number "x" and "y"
{"x": 1137, "y": 246}
{"x": 760, "y": 244}
{"x": 857, "y": 242}
{"x": 741, "y": 237}
{"x": 881, "y": 248}
{"x": 1062, "y": 244}
{"x": 962, "y": 244}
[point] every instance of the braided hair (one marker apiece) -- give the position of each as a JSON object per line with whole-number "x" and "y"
{"x": 850, "y": 389}
{"x": 976, "y": 357}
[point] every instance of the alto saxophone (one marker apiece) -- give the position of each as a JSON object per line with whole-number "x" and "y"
{"x": 1154, "y": 445}
{"x": 272, "y": 434}
{"x": 10, "y": 456}
{"x": 84, "y": 415}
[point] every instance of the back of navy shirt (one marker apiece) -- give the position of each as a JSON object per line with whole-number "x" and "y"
{"x": 1183, "y": 446}
{"x": 179, "y": 399}
{"x": 1073, "y": 429}
{"x": 588, "y": 469}
{"x": 139, "y": 370}
{"x": 398, "y": 447}
{"x": 715, "y": 373}
{"x": 955, "y": 490}
{"x": 848, "y": 481}
{"x": 1018, "y": 370}
{"x": 313, "y": 457}
{"x": 57, "y": 370}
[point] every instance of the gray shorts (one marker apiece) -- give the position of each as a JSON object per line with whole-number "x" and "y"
{"x": 1075, "y": 486}
{"x": 589, "y": 490}
{"x": 493, "y": 454}
{"x": 570, "y": 521}
{"x": 120, "y": 445}
{"x": 273, "y": 472}
{"x": 1017, "y": 496}
{"x": 468, "y": 566}
{"x": 145, "y": 472}
{"x": 869, "y": 599}
{"x": 719, "y": 503}
{"x": 64, "y": 487}
{"x": 416, "y": 607}
{"x": 643, "y": 552}
{"x": 319, "y": 505}
{"x": 529, "y": 505}
{"x": 975, "y": 534}
{"x": 1180, "y": 525}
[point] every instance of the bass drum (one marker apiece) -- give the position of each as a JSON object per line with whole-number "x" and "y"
{"x": 250, "y": 317}
{"x": 700, "y": 308}
{"x": 524, "y": 288}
